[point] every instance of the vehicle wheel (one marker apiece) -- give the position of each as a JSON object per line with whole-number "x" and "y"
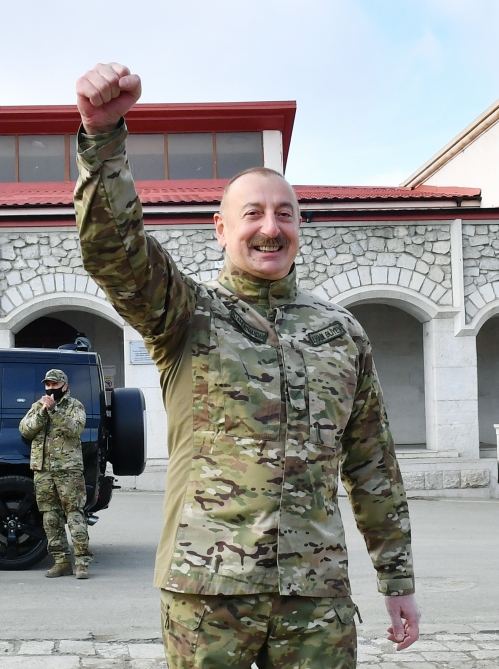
{"x": 128, "y": 432}
{"x": 22, "y": 540}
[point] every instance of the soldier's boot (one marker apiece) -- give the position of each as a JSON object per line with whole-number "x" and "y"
{"x": 60, "y": 569}
{"x": 81, "y": 571}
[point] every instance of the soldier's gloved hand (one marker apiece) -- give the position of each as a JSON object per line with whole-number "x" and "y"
{"x": 48, "y": 402}
{"x": 105, "y": 94}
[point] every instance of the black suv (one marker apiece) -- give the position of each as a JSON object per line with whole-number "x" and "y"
{"x": 113, "y": 433}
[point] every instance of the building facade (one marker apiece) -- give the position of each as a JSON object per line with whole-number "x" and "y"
{"x": 417, "y": 265}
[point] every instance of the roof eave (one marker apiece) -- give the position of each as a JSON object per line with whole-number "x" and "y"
{"x": 476, "y": 128}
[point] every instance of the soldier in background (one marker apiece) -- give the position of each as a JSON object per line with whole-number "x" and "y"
{"x": 54, "y": 425}
{"x": 270, "y": 392}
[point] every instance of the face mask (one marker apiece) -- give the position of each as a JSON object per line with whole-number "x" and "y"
{"x": 56, "y": 393}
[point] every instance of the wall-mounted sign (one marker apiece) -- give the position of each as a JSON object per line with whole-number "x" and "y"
{"x": 139, "y": 354}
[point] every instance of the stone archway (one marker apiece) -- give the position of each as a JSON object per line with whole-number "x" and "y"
{"x": 488, "y": 382}
{"x": 397, "y": 341}
{"x": 45, "y": 332}
{"x": 52, "y": 320}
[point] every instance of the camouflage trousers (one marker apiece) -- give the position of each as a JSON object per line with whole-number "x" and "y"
{"x": 276, "y": 632}
{"x": 61, "y": 497}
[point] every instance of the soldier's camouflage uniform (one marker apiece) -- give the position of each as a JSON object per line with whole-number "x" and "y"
{"x": 57, "y": 464}
{"x": 270, "y": 392}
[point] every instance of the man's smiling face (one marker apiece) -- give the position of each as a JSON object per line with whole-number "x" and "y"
{"x": 258, "y": 225}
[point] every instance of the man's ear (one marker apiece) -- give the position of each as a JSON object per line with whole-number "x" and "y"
{"x": 219, "y": 228}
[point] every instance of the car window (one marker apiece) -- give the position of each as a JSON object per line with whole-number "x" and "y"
{"x": 21, "y": 385}
{"x": 18, "y": 386}
{"x": 80, "y": 385}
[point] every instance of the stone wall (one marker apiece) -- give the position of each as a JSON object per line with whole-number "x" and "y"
{"x": 480, "y": 266}
{"x": 333, "y": 259}
{"x": 411, "y": 256}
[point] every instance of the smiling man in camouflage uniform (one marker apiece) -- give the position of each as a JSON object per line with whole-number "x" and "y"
{"x": 54, "y": 425}
{"x": 270, "y": 393}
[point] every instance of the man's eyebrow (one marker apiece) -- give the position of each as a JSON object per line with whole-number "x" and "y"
{"x": 284, "y": 203}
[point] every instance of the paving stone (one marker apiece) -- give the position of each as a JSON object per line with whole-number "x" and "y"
{"x": 485, "y": 636}
{"x": 441, "y": 650}
{"x": 101, "y": 663}
{"x": 488, "y": 645}
{"x": 40, "y": 662}
{"x": 112, "y": 649}
{"x": 403, "y": 658}
{"x": 463, "y": 645}
{"x": 447, "y": 656}
{"x": 423, "y": 645}
{"x": 145, "y": 650}
{"x": 70, "y": 647}
{"x": 410, "y": 665}
{"x": 484, "y": 654}
{"x": 36, "y": 648}
{"x": 146, "y": 664}
{"x": 5, "y": 647}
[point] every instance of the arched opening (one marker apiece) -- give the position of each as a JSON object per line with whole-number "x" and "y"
{"x": 62, "y": 326}
{"x": 45, "y": 332}
{"x": 397, "y": 341}
{"x": 488, "y": 382}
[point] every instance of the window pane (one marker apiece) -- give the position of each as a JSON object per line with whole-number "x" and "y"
{"x": 73, "y": 170}
{"x": 41, "y": 158}
{"x": 146, "y": 156}
{"x": 237, "y": 151}
{"x": 8, "y": 159}
{"x": 190, "y": 156}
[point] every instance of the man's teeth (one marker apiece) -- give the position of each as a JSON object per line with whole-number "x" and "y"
{"x": 267, "y": 249}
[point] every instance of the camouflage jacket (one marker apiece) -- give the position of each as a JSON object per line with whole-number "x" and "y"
{"x": 270, "y": 393}
{"x": 55, "y": 435}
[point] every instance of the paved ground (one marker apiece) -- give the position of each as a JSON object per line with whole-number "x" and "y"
{"x": 111, "y": 621}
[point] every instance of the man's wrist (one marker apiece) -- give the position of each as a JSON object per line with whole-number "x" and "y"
{"x": 95, "y": 131}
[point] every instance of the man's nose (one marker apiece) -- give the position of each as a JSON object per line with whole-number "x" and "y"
{"x": 270, "y": 226}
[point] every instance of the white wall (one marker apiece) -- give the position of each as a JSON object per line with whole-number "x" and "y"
{"x": 475, "y": 167}
{"x": 272, "y": 150}
{"x": 146, "y": 377}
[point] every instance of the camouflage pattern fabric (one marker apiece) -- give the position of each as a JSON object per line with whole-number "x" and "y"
{"x": 55, "y": 434}
{"x": 271, "y": 393}
{"x": 56, "y": 375}
{"x": 210, "y": 632}
{"x": 61, "y": 495}
{"x": 57, "y": 461}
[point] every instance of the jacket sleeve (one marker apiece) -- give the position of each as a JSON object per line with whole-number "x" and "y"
{"x": 34, "y": 421}
{"x": 136, "y": 273}
{"x": 372, "y": 478}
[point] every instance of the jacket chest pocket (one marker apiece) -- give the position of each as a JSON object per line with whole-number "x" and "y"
{"x": 249, "y": 385}
{"x": 331, "y": 381}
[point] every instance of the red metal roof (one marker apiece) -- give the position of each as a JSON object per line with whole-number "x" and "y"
{"x": 358, "y": 193}
{"x": 209, "y": 191}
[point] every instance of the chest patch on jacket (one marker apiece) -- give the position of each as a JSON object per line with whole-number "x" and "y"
{"x": 329, "y": 333}
{"x": 249, "y": 330}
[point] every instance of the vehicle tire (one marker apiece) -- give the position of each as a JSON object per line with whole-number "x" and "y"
{"x": 22, "y": 540}
{"x": 128, "y": 432}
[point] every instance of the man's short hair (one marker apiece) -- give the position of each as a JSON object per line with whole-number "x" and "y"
{"x": 262, "y": 171}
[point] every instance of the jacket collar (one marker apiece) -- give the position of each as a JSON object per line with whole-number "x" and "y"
{"x": 260, "y": 293}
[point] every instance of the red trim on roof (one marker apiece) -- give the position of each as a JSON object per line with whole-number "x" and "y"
{"x": 334, "y": 217}
{"x": 160, "y": 118}
{"x": 209, "y": 191}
